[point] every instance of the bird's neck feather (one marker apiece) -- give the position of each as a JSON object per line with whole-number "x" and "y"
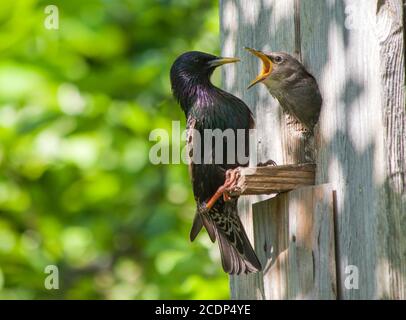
{"x": 194, "y": 91}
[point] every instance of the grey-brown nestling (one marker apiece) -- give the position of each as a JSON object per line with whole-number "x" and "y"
{"x": 291, "y": 84}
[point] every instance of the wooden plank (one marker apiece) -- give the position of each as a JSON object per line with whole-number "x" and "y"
{"x": 274, "y": 179}
{"x": 294, "y": 239}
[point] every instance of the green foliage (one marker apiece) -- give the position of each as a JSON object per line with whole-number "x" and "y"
{"x": 77, "y": 189}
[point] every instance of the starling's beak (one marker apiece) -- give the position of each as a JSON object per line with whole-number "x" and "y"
{"x": 220, "y": 61}
{"x": 266, "y": 66}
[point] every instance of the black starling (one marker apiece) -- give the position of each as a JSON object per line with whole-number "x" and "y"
{"x": 289, "y": 82}
{"x": 208, "y": 107}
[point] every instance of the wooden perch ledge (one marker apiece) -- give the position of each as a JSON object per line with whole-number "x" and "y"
{"x": 273, "y": 179}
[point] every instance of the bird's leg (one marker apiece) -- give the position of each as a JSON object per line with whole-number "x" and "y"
{"x": 267, "y": 163}
{"x": 215, "y": 197}
{"x": 232, "y": 176}
{"x": 226, "y": 197}
{"x": 230, "y": 182}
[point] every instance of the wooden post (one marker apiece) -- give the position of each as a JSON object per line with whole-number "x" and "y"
{"x": 355, "y": 49}
{"x": 294, "y": 238}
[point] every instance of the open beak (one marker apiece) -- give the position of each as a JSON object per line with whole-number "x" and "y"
{"x": 266, "y": 66}
{"x": 220, "y": 61}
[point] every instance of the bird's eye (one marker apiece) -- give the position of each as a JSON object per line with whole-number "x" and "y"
{"x": 277, "y": 59}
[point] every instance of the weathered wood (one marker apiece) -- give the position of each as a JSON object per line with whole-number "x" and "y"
{"x": 256, "y": 24}
{"x": 294, "y": 239}
{"x": 355, "y": 49}
{"x": 274, "y": 179}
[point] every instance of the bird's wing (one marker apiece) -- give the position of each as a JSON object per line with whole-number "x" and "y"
{"x": 237, "y": 254}
{"x": 197, "y": 221}
{"x": 196, "y": 226}
{"x": 240, "y": 115}
{"x": 191, "y": 122}
{"x": 211, "y": 230}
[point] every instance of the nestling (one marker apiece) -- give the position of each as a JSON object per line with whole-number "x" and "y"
{"x": 291, "y": 84}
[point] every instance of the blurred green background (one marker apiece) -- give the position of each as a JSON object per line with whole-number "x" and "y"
{"x": 77, "y": 189}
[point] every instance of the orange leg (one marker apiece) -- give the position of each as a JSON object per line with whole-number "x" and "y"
{"x": 220, "y": 191}
{"x": 231, "y": 179}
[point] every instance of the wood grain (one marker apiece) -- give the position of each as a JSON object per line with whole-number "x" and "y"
{"x": 355, "y": 49}
{"x": 294, "y": 237}
{"x": 261, "y": 25}
{"x": 274, "y": 179}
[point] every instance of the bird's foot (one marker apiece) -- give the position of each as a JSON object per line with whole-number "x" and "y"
{"x": 229, "y": 185}
{"x": 269, "y": 162}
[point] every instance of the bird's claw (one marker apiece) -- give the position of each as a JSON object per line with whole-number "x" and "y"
{"x": 229, "y": 185}
{"x": 269, "y": 162}
{"x": 226, "y": 196}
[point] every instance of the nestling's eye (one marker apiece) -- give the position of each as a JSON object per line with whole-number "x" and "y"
{"x": 277, "y": 59}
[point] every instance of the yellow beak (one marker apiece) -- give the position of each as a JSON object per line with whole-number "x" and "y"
{"x": 221, "y": 61}
{"x": 267, "y": 66}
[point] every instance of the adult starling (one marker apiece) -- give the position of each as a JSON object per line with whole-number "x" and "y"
{"x": 289, "y": 82}
{"x": 208, "y": 107}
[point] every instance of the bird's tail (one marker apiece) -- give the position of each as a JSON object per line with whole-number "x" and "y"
{"x": 237, "y": 254}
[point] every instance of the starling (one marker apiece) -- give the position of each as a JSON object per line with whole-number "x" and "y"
{"x": 290, "y": 83}
{"x": 208, "y": 107}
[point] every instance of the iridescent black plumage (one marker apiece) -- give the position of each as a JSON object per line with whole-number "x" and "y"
{"x": 208, "y": 107}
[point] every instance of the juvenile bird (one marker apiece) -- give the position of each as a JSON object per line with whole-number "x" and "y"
{"x": 208, "y": 107}
{"x": 289, "y": 82}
